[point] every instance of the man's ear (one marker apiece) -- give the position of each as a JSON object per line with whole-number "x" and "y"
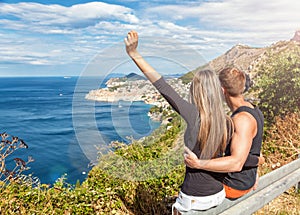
{"x": 223, "y": 90}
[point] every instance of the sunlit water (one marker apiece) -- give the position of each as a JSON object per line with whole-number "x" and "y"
{"x": 39, "y": 111}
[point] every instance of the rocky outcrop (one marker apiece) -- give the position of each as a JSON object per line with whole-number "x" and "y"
{"x": 240, "y": 56}
{"x": 296, "y": 36}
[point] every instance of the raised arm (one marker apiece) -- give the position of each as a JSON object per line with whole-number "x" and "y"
{"x": 245, "y": 130}
{"x": 180, "y": 105}
{"x": 131, "y": 43}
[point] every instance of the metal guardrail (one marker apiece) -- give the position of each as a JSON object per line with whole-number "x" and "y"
{"x": 270, "y": 186}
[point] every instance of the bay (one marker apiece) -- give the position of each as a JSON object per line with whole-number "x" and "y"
{"x": 50, "y": 114}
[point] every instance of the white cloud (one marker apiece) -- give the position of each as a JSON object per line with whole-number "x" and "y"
{"x": 251, "y": 15}
{"x": 171, "y": 26}
{"x": 272, "y": 20}
{"x": 73, "y": 27}
{"x": 53, "y": 34}
{"x": 60, "y": 17}
{"x": 17, "y": 49}
{"x": 232, "y": 13}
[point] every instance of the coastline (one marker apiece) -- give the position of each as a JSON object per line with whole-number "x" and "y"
{"x": 118, "y": 89}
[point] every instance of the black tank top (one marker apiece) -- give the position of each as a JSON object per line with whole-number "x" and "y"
{"x": 246, "y": 178}
{"x": 196, "y": 182}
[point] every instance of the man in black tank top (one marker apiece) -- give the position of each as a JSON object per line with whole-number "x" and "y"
{"x": 247, "y": 139}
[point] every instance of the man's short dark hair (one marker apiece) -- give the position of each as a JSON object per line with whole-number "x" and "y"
{"x": 233, "y": 81}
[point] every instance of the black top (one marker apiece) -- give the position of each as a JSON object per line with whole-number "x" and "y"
{"x": 197, "y": 182}
{"x": 246, "y": 178}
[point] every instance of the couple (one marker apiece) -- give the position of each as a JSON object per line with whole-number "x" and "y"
{"x": 210, "y": 134}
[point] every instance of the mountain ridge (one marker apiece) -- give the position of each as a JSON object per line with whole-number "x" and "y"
{"x": 244, "y": 57}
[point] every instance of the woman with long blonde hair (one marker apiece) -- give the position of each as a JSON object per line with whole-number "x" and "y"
{"x": 206, "y": 95}
{"x": 207, "y": 133}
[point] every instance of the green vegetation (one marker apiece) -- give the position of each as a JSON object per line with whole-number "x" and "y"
{"x": 278, "y": 83}
{"x": 187, "y": 78}
{"x": 163, "y": 111}
{"x": 145, "y": 176}
{"x": 114, "y": 88}
{"x": 141, "y": 178}
{"x": 277, "y": 89}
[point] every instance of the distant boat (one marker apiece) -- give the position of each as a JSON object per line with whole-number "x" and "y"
{"x": 67, "y": 77}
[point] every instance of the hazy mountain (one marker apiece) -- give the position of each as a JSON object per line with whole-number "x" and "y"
{"x": 134, "y": 77}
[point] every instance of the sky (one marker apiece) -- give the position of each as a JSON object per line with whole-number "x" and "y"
{"x": 64, "y": 38}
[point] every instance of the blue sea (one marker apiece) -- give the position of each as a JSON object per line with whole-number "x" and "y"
{"x": 63, "y": 130}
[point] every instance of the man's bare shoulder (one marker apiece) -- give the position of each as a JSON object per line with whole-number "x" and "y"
{"x": 244, "y": 121}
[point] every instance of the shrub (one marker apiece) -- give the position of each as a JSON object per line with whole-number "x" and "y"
{"x": 9, "y": 144}
{"x": 282, "y": 143}
{"x": 278, "y": 83}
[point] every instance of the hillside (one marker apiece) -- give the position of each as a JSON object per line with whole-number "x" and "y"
{"x": 246, "y": 58}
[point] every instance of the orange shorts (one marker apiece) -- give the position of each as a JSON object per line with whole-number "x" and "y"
{"x": 232, "y": 193}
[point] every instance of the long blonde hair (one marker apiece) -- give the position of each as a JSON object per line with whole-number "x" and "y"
{"x": 206, "y": 94}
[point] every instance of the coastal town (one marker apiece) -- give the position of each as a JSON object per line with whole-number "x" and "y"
{"x": 125, "y": 89}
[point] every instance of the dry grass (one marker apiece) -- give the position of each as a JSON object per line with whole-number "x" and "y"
{"x": 288, "y": 203}
{"x": 282, "y": 146}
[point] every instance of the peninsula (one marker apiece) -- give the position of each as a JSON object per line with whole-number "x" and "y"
{"x": 136, "y": 89}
